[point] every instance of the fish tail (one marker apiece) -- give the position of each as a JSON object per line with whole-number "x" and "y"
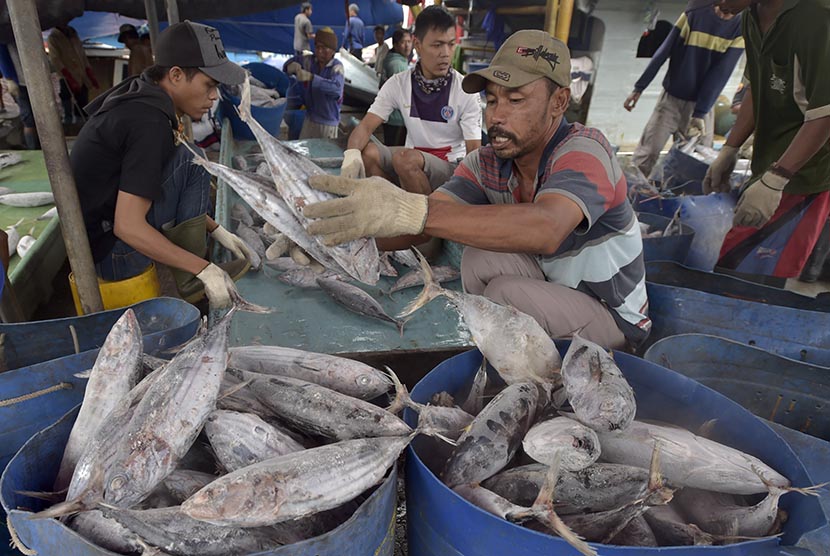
{"x": 400, "y": 323}
{"x": 432, "y": 289}
{"x": 245, "y": 104}
{"x": 402, "y": 398}
{"x": 551, "y": 520}
{"x": 242, "y": 304}
{"x": 57, "y": 496}
{"x": 814, "y": 490}
{"x": 61, "y": 509}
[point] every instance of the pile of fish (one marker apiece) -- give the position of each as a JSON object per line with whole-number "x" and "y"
{"x": 672, "y": 229}
{"x": 223, "y": 450}
{"x": 558, "y": 449}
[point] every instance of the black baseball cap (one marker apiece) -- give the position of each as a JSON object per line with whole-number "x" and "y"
{"x": 193, "y": 45}
{"x": 125, "y": 30}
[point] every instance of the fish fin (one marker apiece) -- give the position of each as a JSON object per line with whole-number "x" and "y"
{"x": 242, "y": 304}
{"x": 83, "y": 374}
{"x": 432, "y": 289}
{"x": 57, "y": 496}
{"x": 705, "y": 430}
{"x": 233, "y": 390}
{"x": 655, "y": 478}
{"x": 402, "y": 398}
{"x": 400, "y": 324}
{"x": 245, "y": 103}
{"x": 61, "y": 509}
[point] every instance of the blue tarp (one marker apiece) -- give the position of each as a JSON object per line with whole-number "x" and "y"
{"x": 268, "y": 31}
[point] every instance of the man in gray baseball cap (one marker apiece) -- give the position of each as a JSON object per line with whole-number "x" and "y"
{"x": 142, "y": 199}
{"x": 542, "y": 209}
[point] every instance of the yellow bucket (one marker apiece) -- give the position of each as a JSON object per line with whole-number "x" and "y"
{"x": 122, "y": 293}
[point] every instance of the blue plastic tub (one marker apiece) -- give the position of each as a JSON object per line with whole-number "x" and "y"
{"x": 269, "y": 118}
{"x": 441, "y": 523}
{"x": 370, "y": 531}
{"x": 782, "y": 390}
{"x": 795, "y": 333}
{"x": 670, "y": 248}
{"x": 164, "y": 321}
{"x": 710, "y": 216}
{"x": 684, "y": 172}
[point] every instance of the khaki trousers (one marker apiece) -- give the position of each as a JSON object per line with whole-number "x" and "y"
{"x": 517, "y": 280}
{"x": 313, "y": 130}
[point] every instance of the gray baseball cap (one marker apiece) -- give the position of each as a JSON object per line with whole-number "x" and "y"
{"x": 193, "y": 45}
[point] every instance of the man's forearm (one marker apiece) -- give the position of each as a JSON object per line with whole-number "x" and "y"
{"x": 359, "y": 138}
{"x": 806, "y": 143}
{"x": 744, "y": 124}
{"x": 153, "y": 244}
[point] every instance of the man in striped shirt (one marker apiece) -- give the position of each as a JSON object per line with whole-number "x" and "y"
{"x": 542, "y": 209}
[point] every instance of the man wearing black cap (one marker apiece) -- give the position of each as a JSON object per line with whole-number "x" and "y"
{"x": 542, "y": 209}
{"x": 142, "y": 198}
{"x": 141, "y": 55}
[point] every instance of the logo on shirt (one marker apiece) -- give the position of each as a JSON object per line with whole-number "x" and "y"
{"x": 777, "y": 84}
{"x": 539, "y": 52}
{"x": 447, "y": 113}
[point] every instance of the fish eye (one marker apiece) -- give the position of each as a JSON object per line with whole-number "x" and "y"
{"x": 118, "y": 482}
{"x": 364, "y": 380}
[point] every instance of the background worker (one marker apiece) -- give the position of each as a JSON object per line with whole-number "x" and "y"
{"x": 780, "y": 226}
{"x": 443, "y": 123}
{"x": 13, "y": 73}
{"x": 703, "y": 48}
{"x": 542, "y": 209}
{"x": 353, "y": 35}
{"x": 303, "y": 30}
{"x": 381, "y": 51}
{"x": 67, "y": 56}
{"x": 320, "y": 81}
{"x": 141, "y": 55}
{"x": 142, "y": 197}
{"x": 397, "y": 61}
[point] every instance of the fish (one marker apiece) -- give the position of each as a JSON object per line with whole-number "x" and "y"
{"x": 266, "y": 202}
{"x": 578, "y": 445}
{"x": 306, "y": 277}
{"x": 283, "y": 264}
{"x": 242, "y": 439}
{"x": 343, "y": 375}
{"x": 474, "y": 402}
{"x": 670, "y": 528}
{"x": 174, "y": 532}
{"x": 600, "y": 396}
{"x": 357, "y": 301}
{"x": 241, "y": 214}
{"x": 296, "y": 485}
{"x": 719, "y": 514}
{"x": 442, "y": 421}
{"x": 116, "y": 371}
{"x": 184, "y": 483}
{"x": 290, "y": 172}
{"x": 24, "y": 245}
{"x": 9, "y": 159}
{"x": 49, "y": 214}
{"x": 107, "y": 533}
{"x": 386, "y": 266}
{"x": 407, "y": 258}
{"x": 251, "y": 237}
{"x": 30, "y": 199}
{"x": 494, "y": 436}
{"x": 689, "y": 460}
{"x": 14, "y": 237}
{"x": 636, "y": 533}
{"x": 414, "y": 278}
{"x": 511, "y": 341}
{"x": 597, "y": 488}
{"x": 317, "y": 410}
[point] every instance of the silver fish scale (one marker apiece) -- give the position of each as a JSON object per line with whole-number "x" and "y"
{"x": 356, "y": 300}
{"x": 321, "y": 411}
{"x": 290, "y": 172}
{"x": 242, "y": 439}
{"x": 296, "y": 485}
{"x": 415, "y": 278}
{"x": 493, "y": 437}
{"x": 346, "y": 376}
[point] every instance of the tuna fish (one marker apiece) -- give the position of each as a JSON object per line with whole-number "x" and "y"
{"x": 320, "y": 411}
{"x": 242, "y": 439}
{"x": 108, "y": 533}
{"x": 14, "y": 237}
{"x": 31, "y": 199}
{"x": 296, "y": 485}
{"x": 672, "y": 529}
{"x": 689, "y": 460}
{"x": 184, "y": 483}
{"x": 474, "y": 402}
{"x": 290, "y": 172}
{"x": 513, "y": 342}
{"x": 598, "y": 392}
{"x": 636, "y": 533}
{"x": 306, "y": 277}
{"x": 346, "y": 376}
{"x": 254, "y": 241}
{"x": 116, "y": 371}
{"x": 407, "y": 258}
{"x": 49, "y": 214}
{"x": 24, "y": 245}
{"x": 577, "y": 444}
{"x": 414, "y": 278}
{"x": 241, "y": 214}
{"x": 357, "y": 300}
{"x": 494, "y": 436}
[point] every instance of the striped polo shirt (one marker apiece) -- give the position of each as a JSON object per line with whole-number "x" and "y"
{"x": 603, "y": 257}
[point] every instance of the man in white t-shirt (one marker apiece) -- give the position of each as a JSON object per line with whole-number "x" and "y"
{"x": 443, "y": 123}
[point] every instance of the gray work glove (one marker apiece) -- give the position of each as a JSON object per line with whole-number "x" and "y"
{"x": 217, "y": 283}
{"x": 720, "y": 171}
{"x": 373, "y": 207}
{"x": 234, "y": 244}
{"x": 760, "y": 201}
{"x": 697, "y": 128}
{"x": 352, "y": 166}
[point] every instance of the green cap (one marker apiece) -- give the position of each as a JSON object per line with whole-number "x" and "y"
{"x": 523, "y": 58}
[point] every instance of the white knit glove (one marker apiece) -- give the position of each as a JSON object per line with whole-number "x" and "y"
{"x": 760, "y": 201}
{"x": 234, "y": 244}
{"x": 216, "y": 283}
{"x": 352, "y": 166}
{"x": 720, "y": 171}
{"x": 373, "y": 207}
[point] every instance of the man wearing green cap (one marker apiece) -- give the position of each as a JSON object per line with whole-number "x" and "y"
{"x": 542, "y": 209}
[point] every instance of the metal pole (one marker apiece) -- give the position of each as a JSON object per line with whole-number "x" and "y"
{"x": 152, "y": 21}
{"x": 563, "y": 20}
{"x": 26, "y": 26}
{"x": 551, "y": 10}
{"x": 172, "y": 11}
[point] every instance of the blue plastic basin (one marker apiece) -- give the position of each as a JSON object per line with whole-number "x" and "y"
{"x": 441, "y": 523}
{"x": 669, "y": 248}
